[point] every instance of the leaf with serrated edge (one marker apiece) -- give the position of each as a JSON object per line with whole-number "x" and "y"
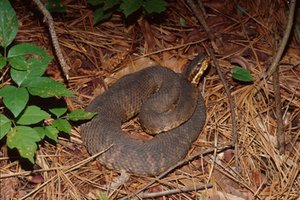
{"x": 62, "y": 125}
{"x": 24, "y": 139}
{"x": 15, "y": 99}
{"x": 58, "y": 111}
{"x": 77, "y": 115}
{"x": 5, "y": 125}
{"x": 32, "y": 115}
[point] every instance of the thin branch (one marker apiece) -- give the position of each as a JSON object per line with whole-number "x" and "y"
{"x": 48, "y": 18}
{"x": 279, "y": 53}
{"x": 231, "y": 105}
{"x": 200, "y": 17}
{"x": 175, "y": 191}
{"x": 280, "y": 132}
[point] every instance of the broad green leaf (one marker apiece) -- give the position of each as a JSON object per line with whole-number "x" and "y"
{"x": 77, "y": 115}
{"x": 130, "y": 6}
{"x": 241, "y": 74}
{"x": 62, "y": 125}
{"x": 15, "y": 99}
{"x": 41, "y": 132}
{"x": 55, "y": 6}
{"x": 58, "y": 111}
{"x": 46, "y": 87}
{"x": 155, "y": 6}
{"x": 24, "y": 139}
{"x": 100, "y": 15}
{"x": 8, "y": 23}
{"x": 52, "y": 133}
{"x": 2, "y": 61}
{"x": 95, "y": 2}
{"x": 29, "y": 57}
{"x": 5, "y": 125}
{"x": 32, "y": 115}
{"x": 110, "y": 4}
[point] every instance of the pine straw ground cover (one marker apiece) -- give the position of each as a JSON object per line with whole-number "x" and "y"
{"x": 98, "y": 55}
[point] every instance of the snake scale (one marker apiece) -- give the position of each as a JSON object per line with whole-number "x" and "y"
{"x": 126, "y": 99}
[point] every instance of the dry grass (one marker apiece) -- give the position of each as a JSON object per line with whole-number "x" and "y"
{"x": 101, "y": 54}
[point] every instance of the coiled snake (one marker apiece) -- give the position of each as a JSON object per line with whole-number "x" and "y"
{"x": 148, "y": 91}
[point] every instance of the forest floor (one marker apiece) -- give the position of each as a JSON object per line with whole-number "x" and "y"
{"x": 98, "y": 55}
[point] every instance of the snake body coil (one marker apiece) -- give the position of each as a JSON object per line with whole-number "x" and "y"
{"x": 126, "y": 99}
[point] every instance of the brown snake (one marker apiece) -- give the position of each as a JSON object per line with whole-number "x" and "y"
{"x": 124, "y": 100}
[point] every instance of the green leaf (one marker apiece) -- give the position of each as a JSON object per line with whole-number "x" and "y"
{"x": 46, "y": 87}
{"x": 182, "y": 21}
{"x": 30, "y": 57}
{"x": 2, "y": 61}
{"x": 95, "y": 2}
{"x": 62, "y": 125}
{"x": 41, "y": 132}
{"x": 8, "y": 23}
{"x": 110, "y": 4}
{"x": 24, "y": 139}
{"x": 5, "y": 125}
{"x": 58, "y": 111}
{"x": 241, "y": 74}
{"x": 52, "y": 133}
{"x": 100, "y": 15}
{"x": 130, "y": 6}
{"x": 32, "y": 115}
{"x": 155, "y": 6}
{"x": 77, "y": 115}
{"x": 55, "y": 6}
{"x": 15, "y": 99}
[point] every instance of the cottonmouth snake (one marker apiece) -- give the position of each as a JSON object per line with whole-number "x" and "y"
{"x": 124, "y": 100}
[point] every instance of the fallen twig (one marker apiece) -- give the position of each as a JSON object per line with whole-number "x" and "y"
{"x": 282, "y": 46}
{"x": 201, "y": 19}
{"x": 48, "y": 18}
{"x": 175, "y": 191}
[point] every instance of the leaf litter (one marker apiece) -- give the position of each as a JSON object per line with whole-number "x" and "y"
{"x": 102, "y": 54}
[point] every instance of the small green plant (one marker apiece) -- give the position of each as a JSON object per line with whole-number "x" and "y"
{"x": 55, "y": 6}
{"x": 241, "y": 74}
{"x": 22, "y": 123}
{"x": 105, "y": 8}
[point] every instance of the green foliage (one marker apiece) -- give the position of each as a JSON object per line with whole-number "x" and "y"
{"x": 8, "y": 23}
{"x": 105, "y": 8}
{"x": 241, "y": 74}
{"x": 24, "y": 125}
{"x": 55, "y": 6}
